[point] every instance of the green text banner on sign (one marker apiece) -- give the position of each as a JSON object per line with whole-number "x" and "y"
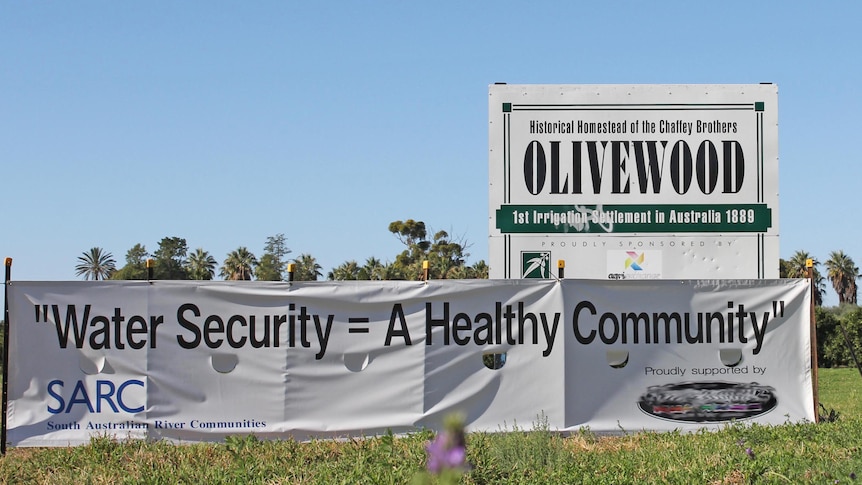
{"x": 631, "y": 219}
{"x": 191, "y": 361}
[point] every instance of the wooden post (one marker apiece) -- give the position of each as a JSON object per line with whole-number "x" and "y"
{"x": 149, "y": 269}
{"x": 561, "y": 268}
{"x": 815, "y": 384}
{"x": 291, "y": 268}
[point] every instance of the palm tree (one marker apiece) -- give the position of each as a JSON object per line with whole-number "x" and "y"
{"x": 372, "y": 270}
{"x": 307, "y": 268}
{"x": 842, "y": 272}
{"x": 796, "y": 267}
{"x": 96, "y": 264}
{"x": 349, "y": 270}
{"x": 239, "y": 265}
{"x": 480, "y": 270}
{"x": 201, "y": 265}
{"x": 390, "y": 271}
{"x": 462, "y": 272}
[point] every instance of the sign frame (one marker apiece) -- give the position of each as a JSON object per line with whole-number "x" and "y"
{"x": 688, "y": 171}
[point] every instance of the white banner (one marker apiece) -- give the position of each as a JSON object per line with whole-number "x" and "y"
{"x": 197, "y": 361}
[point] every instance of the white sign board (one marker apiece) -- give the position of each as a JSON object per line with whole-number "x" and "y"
{"x": 197, "y": 361}
{"x": 634, "y": 181}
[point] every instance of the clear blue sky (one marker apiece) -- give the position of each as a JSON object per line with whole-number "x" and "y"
{"x": 224, "y": 122}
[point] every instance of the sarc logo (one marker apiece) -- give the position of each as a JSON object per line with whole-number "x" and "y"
{"x": 105, "y": 395}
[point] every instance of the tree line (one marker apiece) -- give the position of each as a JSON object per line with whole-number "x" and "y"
{"x": 839, "y": 329}
{"x": 446, "y": 256}
{"x": 841, "y": 272}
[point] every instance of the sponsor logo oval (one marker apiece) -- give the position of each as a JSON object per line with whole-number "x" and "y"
{"x": 711, "y": 401}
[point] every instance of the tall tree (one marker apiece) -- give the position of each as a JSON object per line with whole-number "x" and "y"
{"x": 276, "y": 246}
{"x": 269, "y": 269}
{"x": 410, "y": 233}
{"x": 307, "y": 268}
{"x": 272, "y": 265}
{"x": 842, "y": 272}
{"x": 414, "y": 236}
{"x": 170, "y": 259}
{"x": 136, "y": 264}
{"x": 796, "y": 267}
{"x": 201, "y": 265}
{"x": 445, "y": 256}
{"x": 239, "y": 265}
{"x": 442, "y": 252}
{"x": 95, "y": 264}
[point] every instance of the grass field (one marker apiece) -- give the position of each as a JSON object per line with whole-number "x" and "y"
{"x": 841, "y": 389}
{"x": 828, "y": 452}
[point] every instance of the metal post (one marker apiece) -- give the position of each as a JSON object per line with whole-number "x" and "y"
{"x": 149, "y": 269}
{"x": 5, "y": 354}
{"x": 425, "y": 270}
{"x": 561, "y": 268}
{"x": 291, "y": 268}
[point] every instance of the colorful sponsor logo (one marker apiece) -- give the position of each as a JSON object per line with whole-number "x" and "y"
{"x": 635, "y": 260}
{"x": 712, "y": 401}
{"x": 641, "y": 265}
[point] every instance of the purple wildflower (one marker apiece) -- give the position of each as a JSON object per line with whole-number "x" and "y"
{"x": 852, "y": 476}
{"x": 448, "y": 450}
{"x": 444, "y": 454}
{"x": 749, "y": 452}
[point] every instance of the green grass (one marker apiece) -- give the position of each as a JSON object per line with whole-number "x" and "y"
{"x": 828, "y": 452}
{"x": 841, "y": 390}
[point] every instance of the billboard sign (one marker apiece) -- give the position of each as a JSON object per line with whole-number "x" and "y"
{"x": 683, "y": 178}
